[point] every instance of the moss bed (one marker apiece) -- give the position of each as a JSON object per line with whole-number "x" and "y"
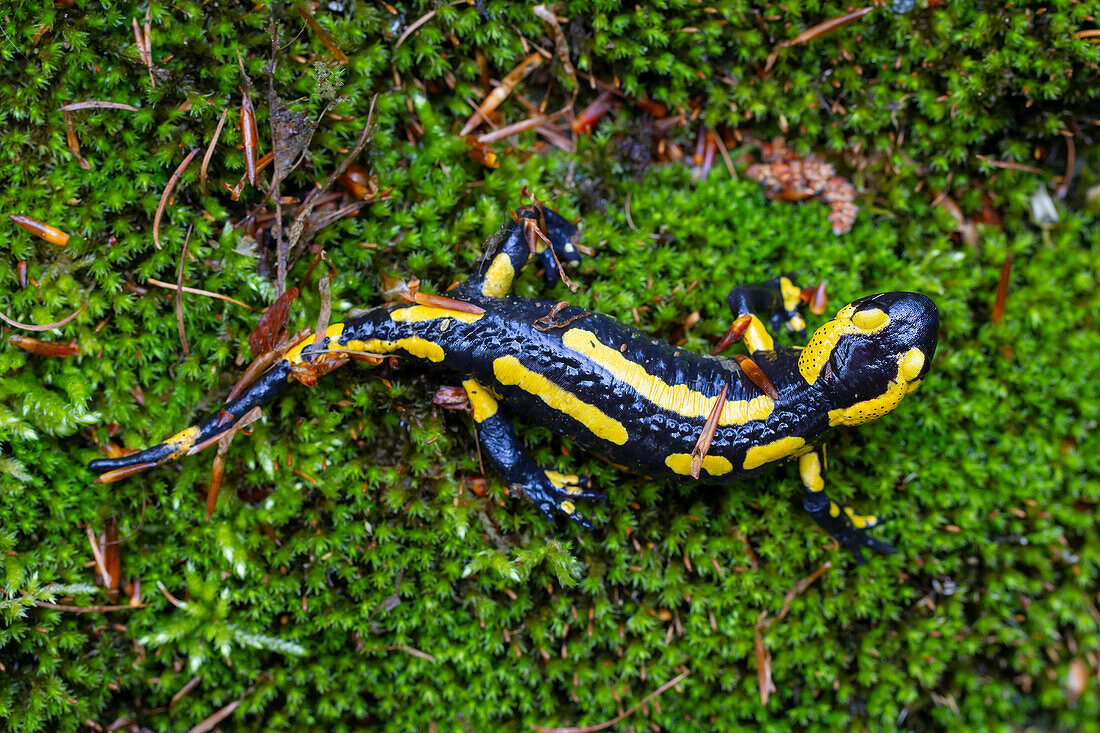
{"x": 357, "y": 572}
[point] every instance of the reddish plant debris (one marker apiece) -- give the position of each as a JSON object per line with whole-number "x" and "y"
{"x": 53, "y": 235}
{"x": 787, "y": 176}
{"x": 44, "y": 348}
{"x": 270, "y": 326}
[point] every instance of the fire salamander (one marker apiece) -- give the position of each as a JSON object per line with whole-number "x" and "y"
{"x": 635, "y": 400}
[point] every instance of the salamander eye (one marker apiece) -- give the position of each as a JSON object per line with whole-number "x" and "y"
{"x": 870, "y": 319}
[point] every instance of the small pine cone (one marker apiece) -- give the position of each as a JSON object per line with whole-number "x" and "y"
{"x": 839, "y": 190}
{"x": 842, "y": 216}
{"x": 817, "y": 173}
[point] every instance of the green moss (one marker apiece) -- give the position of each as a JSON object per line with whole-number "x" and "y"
{"x": 384, "y": 591}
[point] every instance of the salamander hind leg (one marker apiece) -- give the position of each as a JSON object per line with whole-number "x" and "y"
{"x": 548, "y": 490}
{"x": 843, "y": 523}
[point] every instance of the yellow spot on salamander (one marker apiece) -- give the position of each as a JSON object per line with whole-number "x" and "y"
{"x": 485, "y": 406}
{"x": 510, "y": 371}
{"x": 812, "y": 359}
{"x": 414, "y": 346}
{"x": 498, "y": 278}
{"x": 677, "y": 398}
{"x": 714, "y": 465}
{"x": 568, "y": 507}
{"x": 757, "y": 338}
{"x": 182, "y": 442}
{"x": 791, "y": 293}
{"x": 870, "y": 320}
{"x": 809, "y": 465}
{"x": 861, "y": 521}
{"x": 909, "y": 366}
{"x": 758, "y": 455}
{"x": 567, "y": 482}
{"x": 294, "y": 356}
{"x": 417, "y": 313}
{"x": 834, "y": 510}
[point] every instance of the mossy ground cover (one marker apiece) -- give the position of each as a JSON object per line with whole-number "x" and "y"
{"x": 352, "y": 577}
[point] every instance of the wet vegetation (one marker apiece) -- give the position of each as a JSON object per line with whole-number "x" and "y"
{"x": 359, "y": 570}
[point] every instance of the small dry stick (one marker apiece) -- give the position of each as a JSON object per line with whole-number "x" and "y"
{"x": 168, "y": 192}
{"x": 621, "y": 716}
{"x": 815, "y": 31}
{"x": 46, "y": 327}
{"x": 1002, "y": 291}
{"x": 97, "y": 105}
{"x": 210, "y": 150}
{"x": 513, "y": 129}
{"x": 179, "y": 293}
{"x": 100, "y": 563}
{"x": 74, "y": 143}
{"x": 197, "y": 291}
{"x": 498, "y": 95}
{"x": 87, "y": 609}
{"x": 702, "y": 446}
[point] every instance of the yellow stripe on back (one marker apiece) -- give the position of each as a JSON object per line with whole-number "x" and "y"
{"x": 510, "y": 371}
{"x": 416, "y": 313}
{"x": 294, "y": 356}
{"x": 678, "y": 398}
{"x": 414, "y": 346}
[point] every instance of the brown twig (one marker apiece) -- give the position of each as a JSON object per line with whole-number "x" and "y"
{"x": 171, "y": 598}
{"x": 74, "y": 143}
{"x": 97, "y": 105}
{"x": 1002, "y": 291}
{"x": 513, "y": 129}
{"x": 322, "y": 34}
{"x": 197, "y": 291}
{"x": 185, "y": 691}
{"x": 498, "y": 95}
{"x": 621, "y": 716}
{"x": 325, "y": 312}
{"x": 815, "y": 31}
{"x": 1011, "y": 165}
{"x": 702, "y": 446}
{"x": 179, "y": 293}
{"x": 312, "y": 200}
{"x": 46, "y": 327}
{"x": 168, "y": 192}
{"x": 763, "y": 658}
{"x": 100, "y": 562}
{"x": 87, "y": 609}
{"x": 210, "y": 149}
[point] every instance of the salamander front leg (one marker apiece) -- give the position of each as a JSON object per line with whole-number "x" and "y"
{"x": 508, "y": 251}
{"x": 841, "y": 522}
{"x": 548, "y": 490}
{"x": 776, "y": 300}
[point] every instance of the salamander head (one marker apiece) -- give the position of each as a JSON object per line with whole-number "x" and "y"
{"x": 873, "y": 353}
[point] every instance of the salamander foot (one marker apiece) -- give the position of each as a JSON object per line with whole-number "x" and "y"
{"x": 550, "y": 490}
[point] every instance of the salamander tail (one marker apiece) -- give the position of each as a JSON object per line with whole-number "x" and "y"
{"x": 193, "y": 439}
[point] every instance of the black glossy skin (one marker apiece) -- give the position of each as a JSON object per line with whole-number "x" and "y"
{"x": 654, "y": 433}
{"x": 859, "y": 367}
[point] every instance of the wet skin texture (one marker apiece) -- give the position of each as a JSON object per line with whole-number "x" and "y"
{"x": 635, "y": 400}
